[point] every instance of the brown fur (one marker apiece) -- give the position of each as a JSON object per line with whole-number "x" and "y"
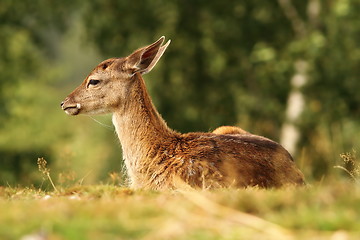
{"x": 229, "y": 130}
{"x": 156, "y": 156}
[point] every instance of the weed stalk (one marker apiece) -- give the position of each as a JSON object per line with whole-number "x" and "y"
{"x": 42, "y": 164}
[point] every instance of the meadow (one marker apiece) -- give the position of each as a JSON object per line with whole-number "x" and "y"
{"x": 323, "y": 210}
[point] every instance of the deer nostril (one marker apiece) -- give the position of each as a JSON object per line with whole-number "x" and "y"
{"x": 61, "y": 104}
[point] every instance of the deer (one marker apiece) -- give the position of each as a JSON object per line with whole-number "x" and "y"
{"x": 157, "y": 157}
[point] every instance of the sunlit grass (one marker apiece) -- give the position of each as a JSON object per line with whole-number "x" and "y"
{"x": 71, "y": 210}
{"x": 321, "y": 211}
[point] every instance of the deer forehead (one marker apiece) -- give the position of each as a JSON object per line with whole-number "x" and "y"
{"x": 101, "y": 75}
{"x": 113, "y": 67}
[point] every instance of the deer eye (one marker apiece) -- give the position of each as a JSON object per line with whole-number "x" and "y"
{"x": 93, "y": 82}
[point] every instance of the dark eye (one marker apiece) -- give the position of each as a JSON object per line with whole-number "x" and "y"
{"x": 93, "y": 82}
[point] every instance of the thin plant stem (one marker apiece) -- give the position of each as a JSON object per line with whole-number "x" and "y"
{"x": 351, "y": 175}
{"x": 52, "y": 183}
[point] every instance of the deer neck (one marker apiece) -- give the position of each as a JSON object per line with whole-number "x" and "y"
{"x": 138, "y": 126}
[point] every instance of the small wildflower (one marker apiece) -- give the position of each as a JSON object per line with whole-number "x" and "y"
{"x": 42, "y": 164}
{"x": 351, "y": 166}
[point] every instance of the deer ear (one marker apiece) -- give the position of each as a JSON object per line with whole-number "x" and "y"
{"x": 144, "y": 59}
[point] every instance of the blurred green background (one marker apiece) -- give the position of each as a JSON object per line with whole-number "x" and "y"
{"x": 229, "y": 63}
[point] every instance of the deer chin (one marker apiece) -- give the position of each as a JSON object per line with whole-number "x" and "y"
{"x": 72, "y": 109}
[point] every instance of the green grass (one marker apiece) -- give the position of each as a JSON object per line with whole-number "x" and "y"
{"x": 322, "y": 211}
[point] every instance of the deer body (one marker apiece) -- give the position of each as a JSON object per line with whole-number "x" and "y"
{"x": 157, "y": 157}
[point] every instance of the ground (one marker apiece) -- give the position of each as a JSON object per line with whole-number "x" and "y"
{"x": 322, "y": 211}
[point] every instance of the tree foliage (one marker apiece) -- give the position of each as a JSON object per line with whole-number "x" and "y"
{"x": 228, "y": 64}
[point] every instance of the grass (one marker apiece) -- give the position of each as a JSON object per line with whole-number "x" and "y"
{"x": 323, "y": 211}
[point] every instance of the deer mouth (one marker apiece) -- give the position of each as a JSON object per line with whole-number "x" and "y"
{"x": 71, "y": 109}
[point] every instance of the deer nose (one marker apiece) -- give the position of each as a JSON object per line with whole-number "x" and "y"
{"x": 63, "y": 102}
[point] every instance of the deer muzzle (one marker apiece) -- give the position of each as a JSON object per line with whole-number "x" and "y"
{"x": 70, "y": 108}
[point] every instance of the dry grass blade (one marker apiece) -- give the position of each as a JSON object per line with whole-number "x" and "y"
{"x": 228, "y": 214}
{"x": 347, "y": 171}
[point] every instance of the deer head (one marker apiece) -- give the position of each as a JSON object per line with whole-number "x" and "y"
{"x": 106, "y": 87}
